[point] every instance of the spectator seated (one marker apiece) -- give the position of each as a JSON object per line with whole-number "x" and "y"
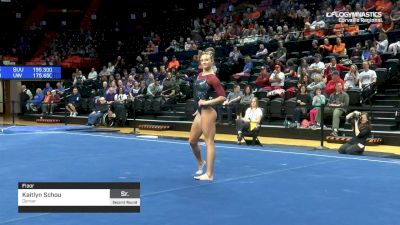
{"x": 50, "y": 102}
{"x": 249, "y": 125}
{"x": 245, "y": 74}
{"x": 36, "y": 101}
{"x": 101, "y": 108}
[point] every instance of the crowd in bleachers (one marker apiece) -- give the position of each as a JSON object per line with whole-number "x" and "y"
{"x": 146, "y": 91}
{"x": 271, "y": 21}
{"x": 288, "y": 83}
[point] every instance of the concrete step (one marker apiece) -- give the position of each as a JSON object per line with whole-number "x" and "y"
{"x": 171, "y": 118}
{"x": 172, "y": 113}
{"x": 375, "y": 127}
{"x": 387, "y": 102}
{"x": 384, "y": 120}
{"x": 388, "y": 114}
{"x": 391, "y": 96}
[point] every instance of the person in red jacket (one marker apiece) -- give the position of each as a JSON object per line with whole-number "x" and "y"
{"x": 262, "y": 80}
{"x": 326, "y": 48}
{"x": 333, "y": 66}
{"x": 173, "y": 64}
{"x": 374, "y": 59}
{"x": 330, "y": 87}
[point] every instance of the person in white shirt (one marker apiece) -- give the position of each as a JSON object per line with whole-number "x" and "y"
{"x": 351, "y": 78}
{"x": 251, "y": 119}
{"x": 317, "y": 67}
{"x": 382, "y": 44}
{"x": 93, "y": 74}
{"x": 366, "y": 78}
{"x": 394, "y": 48}
{"x": 277, "y": 80}
{"x": 120, "y": 97}
{"x": 154, "y": 89}
{"x": 318, "y": 23}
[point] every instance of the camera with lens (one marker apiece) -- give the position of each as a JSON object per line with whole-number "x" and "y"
{"x": 351, "y": 118}
{"x": 356, "y": 115}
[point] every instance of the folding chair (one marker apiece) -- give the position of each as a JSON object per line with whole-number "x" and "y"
{"x": 253, "y": 134}
{"x": 354, "y": 96}
{"x": 289, "y": 106}
{"x": 261, "y": 94}
{"x": 276, "y": 107}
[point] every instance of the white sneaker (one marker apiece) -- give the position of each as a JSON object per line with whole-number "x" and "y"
{"x": 200, "y": 171}
{"x": 315, "y": 127}
{"x": 203, "y": 177}
{"x": 71, "y": 114}
{"x": 75, "y": 114}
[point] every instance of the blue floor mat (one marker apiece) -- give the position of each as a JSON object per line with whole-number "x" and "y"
{"x": 252, "y": 185}
{"x": 30, "y": 129}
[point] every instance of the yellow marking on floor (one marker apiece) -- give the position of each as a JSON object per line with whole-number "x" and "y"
{"x": 266, "y": 140}
{"x": 221, "y": 137}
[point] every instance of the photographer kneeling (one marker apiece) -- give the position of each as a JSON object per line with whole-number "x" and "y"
{"x": 362, "y": 130}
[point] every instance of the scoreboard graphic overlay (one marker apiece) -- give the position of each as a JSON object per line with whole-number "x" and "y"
{"x": 78, "y": 197}
{"x": 30, "y": 72}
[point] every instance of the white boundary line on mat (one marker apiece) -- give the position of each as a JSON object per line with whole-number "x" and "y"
{"x": 357, "y": 158}
{"x": 264, "y": 149}
{"x": 23, "y": 218}
{"x": 200, "y": 184}
{"x": 6, "y": 128}
{"x": 219, "y": 146}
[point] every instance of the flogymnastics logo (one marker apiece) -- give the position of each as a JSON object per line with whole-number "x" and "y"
{"x": 356, "y": 17}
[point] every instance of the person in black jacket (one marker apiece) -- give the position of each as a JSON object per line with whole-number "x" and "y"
{"x": 100, "y": 109}
{"x": 74, "y": 102}
{"x": 362, "y": 131}
{"x": 304, "y": 101}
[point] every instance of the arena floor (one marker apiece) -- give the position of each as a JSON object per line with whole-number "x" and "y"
{"x": 253, "y": 185}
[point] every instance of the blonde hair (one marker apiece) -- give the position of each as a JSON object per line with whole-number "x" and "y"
{"x": 208, "y": 51}
{"x": 255, "y": 99}
{"x": 247, "y": 59}
{"x": 318, "y": 78}
{"x": 354, "y": 66}
{"x": 382, "y": 36}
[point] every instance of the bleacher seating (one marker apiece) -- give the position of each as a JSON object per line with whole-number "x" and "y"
{"x": 132, "y": 34}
